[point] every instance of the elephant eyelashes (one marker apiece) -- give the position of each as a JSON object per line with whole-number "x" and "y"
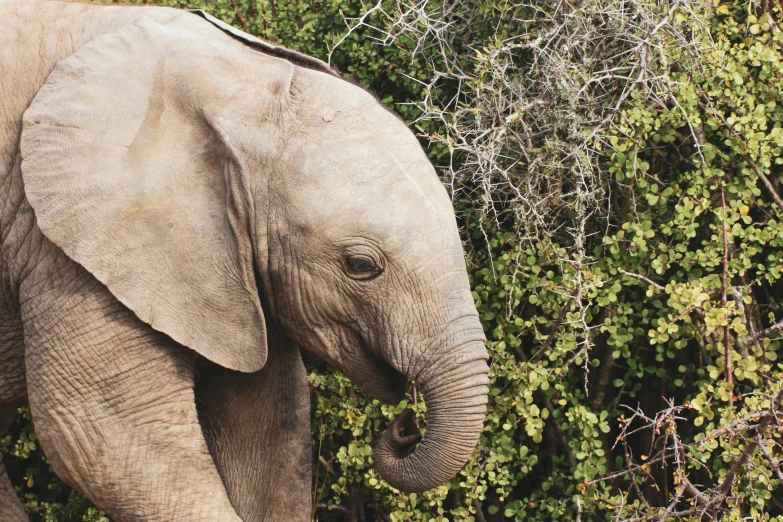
{"x": 362, "y": 268}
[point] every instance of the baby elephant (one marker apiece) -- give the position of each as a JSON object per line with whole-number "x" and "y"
{"x": 182, "y": 206}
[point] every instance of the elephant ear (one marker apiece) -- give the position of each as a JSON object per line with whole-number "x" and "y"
{"x": 129, "y": 173}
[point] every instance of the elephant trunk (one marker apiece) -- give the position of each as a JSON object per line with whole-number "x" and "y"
{"x": 455, "y": 388}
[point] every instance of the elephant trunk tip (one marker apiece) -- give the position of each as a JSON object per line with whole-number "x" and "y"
{"x": 395, "y": 445}
{"x": 402, "y": 435}
{"x": 456, "y": 392}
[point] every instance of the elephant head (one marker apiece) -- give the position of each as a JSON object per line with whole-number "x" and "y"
{"x": 215, "y": 189}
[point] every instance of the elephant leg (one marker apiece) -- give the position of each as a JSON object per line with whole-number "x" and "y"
{"x": 258, "y": 430}
{"x": 11, "y": 509}
{"x": 113, "y": 402}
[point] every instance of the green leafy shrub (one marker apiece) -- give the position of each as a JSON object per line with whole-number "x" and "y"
{"x": 617, "y": 169}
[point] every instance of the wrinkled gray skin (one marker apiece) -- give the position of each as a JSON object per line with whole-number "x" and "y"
{"x": 169, "y": 190}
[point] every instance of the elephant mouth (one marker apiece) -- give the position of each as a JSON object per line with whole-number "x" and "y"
{"x": 382, "y": 382}
{"x": 372, "y": 374}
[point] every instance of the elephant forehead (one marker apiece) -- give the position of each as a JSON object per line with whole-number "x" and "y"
{"x": 378, "y": 165}
{"x": 387, "y": 193}
{"x": 391, "y": 219}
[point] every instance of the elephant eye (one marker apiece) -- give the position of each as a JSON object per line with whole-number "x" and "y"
{"x": 362, "y": 268}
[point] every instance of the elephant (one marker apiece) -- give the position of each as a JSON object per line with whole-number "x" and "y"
{"x": 183, "y": 207}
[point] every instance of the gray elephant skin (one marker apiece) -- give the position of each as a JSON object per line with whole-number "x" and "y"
{"x": 182, "y": 207}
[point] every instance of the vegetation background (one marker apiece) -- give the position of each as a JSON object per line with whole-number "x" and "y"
{"x": 616, "y": 166}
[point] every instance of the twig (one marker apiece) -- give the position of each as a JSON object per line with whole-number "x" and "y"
{"x": 643, "y": 278}
{"x": 479, "y": 513}
{"x": 765, "y": 180}
{"x": 358, "y": 24}
{"x": 350, "y": 516}
{"x": 724, "y": 298}
{"x": 555, "y": 328}
{"x": 770, "y": 459}
{"x": 691, "y": 490}
{"x": 763, "y": 333}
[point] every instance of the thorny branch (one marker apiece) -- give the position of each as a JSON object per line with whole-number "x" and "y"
{"x": 534, "y": 136}
{"x": 668, "y": 449}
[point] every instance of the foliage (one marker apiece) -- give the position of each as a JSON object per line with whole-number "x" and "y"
{"x": 616, "y": 166}
{"x": 44, "y": 496}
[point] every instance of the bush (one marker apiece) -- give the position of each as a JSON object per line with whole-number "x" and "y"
{"x": 616, "y": 167}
